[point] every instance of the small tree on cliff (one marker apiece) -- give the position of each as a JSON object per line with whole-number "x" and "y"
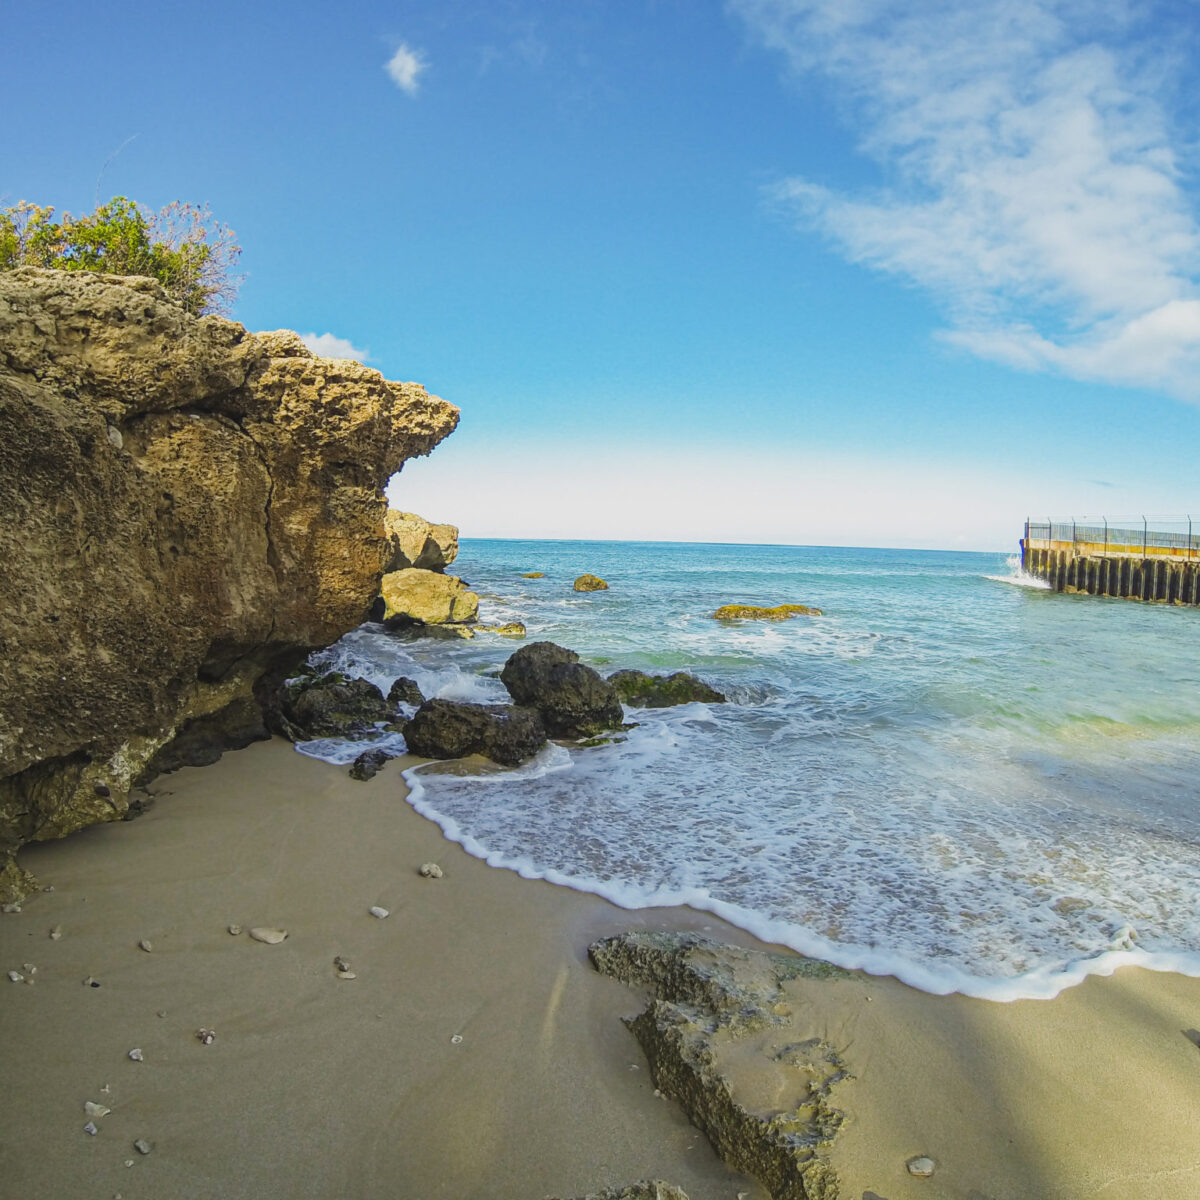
{"x": 182, "y": 246}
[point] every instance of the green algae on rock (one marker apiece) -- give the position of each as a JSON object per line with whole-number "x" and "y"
{"x": 590, "y": 583}
{"x": 639, "y": 690}
{"x": 534, "y": 575}
{"x": 751, "y": 612}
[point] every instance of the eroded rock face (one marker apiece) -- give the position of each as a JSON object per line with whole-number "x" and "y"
{"x": 416, "y": 542}
{"x": 705, "y": 998}
{"x": 573, "y": 700}
{"x": 453, "y": 729}
{"x": 639, "y": 690}
{"x": 419, "y": 597}
{"x": 188, "y": 509}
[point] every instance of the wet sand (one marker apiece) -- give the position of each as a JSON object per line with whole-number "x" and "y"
{"x": 477, "y": 1054}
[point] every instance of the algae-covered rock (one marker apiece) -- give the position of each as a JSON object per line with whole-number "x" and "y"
{"x": 644, "y": 1189}
{"x": 749, "y": 612}
{"x": 416, "y": 542}
{"x": 706, "y": 997}
{"x": 572, "y": 698}
{"x": 639, "y": 690}
{"x": 511, "y": 629}
{"x": 590, "y": 583}
{"x": 413, "y": 596}
{"x": 534, "y": 575}
{"x": 188, "y": 510}
{"x": 450, "y": 729}
{"x": 331, "y": 706}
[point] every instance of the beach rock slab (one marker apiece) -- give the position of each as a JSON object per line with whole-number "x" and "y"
{"x": 590, "y": 583}
{"x": 751, "y": 612}
{"x": 639, "y": 690}
{"x": 331, "y": 705}
{"x": 418, "y": 597}
{"x": 706, "y": 996}
{"x": 572, "y": 698}
{"x": 505, "y": 733}
{"x": 416, "y": 542}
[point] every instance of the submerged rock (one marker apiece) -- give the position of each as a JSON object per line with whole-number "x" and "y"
{"x": 451, "y": 729}
{"x": 416, "y": 542}
{"x": 749, "y": 612}
{"x": 415, "y": 597}
{"x": 189, "y": 509}
{"x": 572, "y": 698}
{"x": 512, "y": 629}
{"x": 534, "y": 575}
{"x": 639, "y": 690}
{"x": 331, "y": 705}
{"x": 590, "y": 583}
{"x": 706, "y": 996}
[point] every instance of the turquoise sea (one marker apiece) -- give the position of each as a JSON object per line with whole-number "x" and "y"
{"x": 954, "y": 776}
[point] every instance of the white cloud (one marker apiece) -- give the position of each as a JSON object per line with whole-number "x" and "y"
{"x": 1033, "y": 183}
{"x": 404, "y": 68}
{"x": 329, "y": 345}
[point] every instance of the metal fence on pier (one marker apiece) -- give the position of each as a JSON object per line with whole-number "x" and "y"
{"x": 1174, "y": 536}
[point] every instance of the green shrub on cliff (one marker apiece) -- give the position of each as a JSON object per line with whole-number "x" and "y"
{"x": 181, "y": 246}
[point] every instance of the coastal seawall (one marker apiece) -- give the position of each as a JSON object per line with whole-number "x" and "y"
{"x": 189, "y": 509}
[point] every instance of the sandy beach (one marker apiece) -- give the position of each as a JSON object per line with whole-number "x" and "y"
{"x": 477, "y": 1053}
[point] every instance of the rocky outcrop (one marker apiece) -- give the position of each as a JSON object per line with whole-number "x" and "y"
{"x": 188, "y": 509}
{"x": 639, "y": 690}
{"x": 451, "y": 729}
{"x": 590, "y": 583}
{"x": 706, "y": 996}
{"x": 416, "y": 542}
{"x": 750, "y": 612}
{"x": 405, "y": 691}
{"x": 419, "y": 597}
{"x": 573, "y": 700}
{"x": 644, "y": 1189}
{"x": 332, "y": 705}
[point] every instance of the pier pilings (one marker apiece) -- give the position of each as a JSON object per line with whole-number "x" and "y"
{"x": 1161, "y": 578}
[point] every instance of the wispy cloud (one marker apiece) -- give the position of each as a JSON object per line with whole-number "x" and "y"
{"x": 405, "y": 68}
{"x": 329, "y": 345}
{"x": 1033, "y": 185}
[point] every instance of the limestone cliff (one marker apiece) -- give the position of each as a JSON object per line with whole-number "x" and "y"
{"x": 187, "y": 508}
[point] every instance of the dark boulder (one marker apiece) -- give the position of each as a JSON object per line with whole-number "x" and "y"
{"x": 639, "y": 690}
{"x": 573, "y": 700}
{"x": 331, "y": 706}
{"x": 368, "y": 764}
{"x": 451, "y": 729}
{"x": 405, "y": 691}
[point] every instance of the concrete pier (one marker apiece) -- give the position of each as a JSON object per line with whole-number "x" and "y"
{"x": 1124, "y": 568}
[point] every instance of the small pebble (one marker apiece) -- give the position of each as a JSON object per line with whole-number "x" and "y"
{"x": 10, "y": 908}
{"x": 95, "y": 1110}
{"x": 90, "y": 1128}
{"x": 142, "y": 1146}
{"x": 922, "y": 1167}
{"x": 129, "y": 1162}
{"x": 454, "y": 1041}
{"x": 90, "y": 982}
{"x": 48, "y": 888}
{"x": 145, "y": 945}
{"x": 136, "y": 1055}
{"x": 56, "y": 933}
{"x": 207, "y": 1036}
{"x": 342, "y": 967}
{"x": 29, "y": 968}
{"x": 106, "y": 1090}
{"x": 272, "y": 937}
{"x": 377, "y": 911}
{"x": 431, "y": 871}
{"x": 162, "y": 1012}
{"x": 235, "y": 929}
{"x": 16, "y": 976}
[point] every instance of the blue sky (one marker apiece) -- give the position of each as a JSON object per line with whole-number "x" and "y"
{"x": 861, "y": 272}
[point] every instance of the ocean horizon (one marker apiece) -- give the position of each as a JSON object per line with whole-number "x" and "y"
{"x": 953, "y": 776}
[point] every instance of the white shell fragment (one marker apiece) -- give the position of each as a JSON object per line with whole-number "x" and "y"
{"x": 145, "y": 945}
{"x": 263, "y": 933}
{"x": 455, "y": 1039}
{"x": 207, "y": 1036}
{"x": 431, "y": 871}
{"x": 142, "y": 1146}
{"x": 379, "y": 911}
{"x": 95, "y": 1110}
{"x": 16, "y": 976}
{"x": 90, "y": 1129}
{"x": 235, "y": 929}
{"x": 922, "y": 1166}
{"x": 136, "y": 1055}
{"x": 56, "y": 933}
